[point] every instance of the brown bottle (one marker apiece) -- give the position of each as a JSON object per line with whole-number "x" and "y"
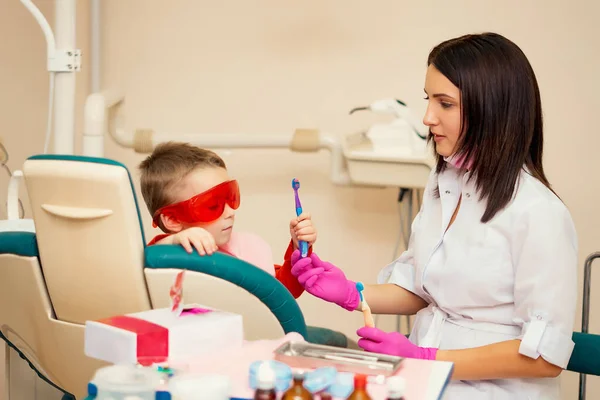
{"x": 262, "y": 394}
{"x": 297, "y": 391}
{"x": 265, "y": 383}
{"x": 360, "y": 388}
{"x": 325, "y": 396}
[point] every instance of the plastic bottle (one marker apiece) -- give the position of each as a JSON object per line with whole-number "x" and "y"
{"x": 396, "y": 387}
{"x": 360, "y": 388}
{"x": 122, "y": 381}
{"x": 297, "y": 391}
{"x": 200, "y": 386}
{"x": 265, "y": 383}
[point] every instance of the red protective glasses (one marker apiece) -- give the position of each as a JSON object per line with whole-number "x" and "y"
{"x": 204, "y": 207}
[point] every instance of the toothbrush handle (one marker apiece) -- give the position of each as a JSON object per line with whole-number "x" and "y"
{"x": 303, "y": 245}
{"x": 303, "y": 248}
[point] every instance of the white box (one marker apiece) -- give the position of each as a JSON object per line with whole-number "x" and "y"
{"x": 160, "y": 335}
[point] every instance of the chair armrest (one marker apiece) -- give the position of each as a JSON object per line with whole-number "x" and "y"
{"x": 254, "y": 280}
{"x": 18, "y": 243}
{"x": 586, "y": 354}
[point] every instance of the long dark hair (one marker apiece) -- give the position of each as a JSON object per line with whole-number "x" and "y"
{"x": 501, "y": 113}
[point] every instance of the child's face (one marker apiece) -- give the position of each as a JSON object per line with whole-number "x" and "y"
{"x": 199, "y": 181}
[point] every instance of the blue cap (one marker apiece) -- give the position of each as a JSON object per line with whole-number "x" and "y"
{"x": 343, "y": 386}
{"x": 360, "y": 287}
{"x": 319, "y": 379}
{"x": 283, "y": 374}
{"x": 162, "y": 396}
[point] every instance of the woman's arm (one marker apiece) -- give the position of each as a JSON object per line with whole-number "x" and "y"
{"x": 496, "y": 361}
{"x": 388, "y": 298}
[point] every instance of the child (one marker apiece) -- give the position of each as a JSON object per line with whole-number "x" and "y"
{"x": 193, "y": 200}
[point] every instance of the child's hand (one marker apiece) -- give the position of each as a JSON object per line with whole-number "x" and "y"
{"x": 302, "y": 229}
{"x": 199, "y": 238}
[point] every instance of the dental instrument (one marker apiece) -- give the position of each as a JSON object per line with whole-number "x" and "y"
{"x": 365, "y": 306}
{"x": 303, "y": 245}
{"x": 305, "y": 355}
{"x": 396, "y": 107}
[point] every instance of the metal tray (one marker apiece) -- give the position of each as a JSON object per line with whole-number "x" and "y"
{"x": 310, "y": 356}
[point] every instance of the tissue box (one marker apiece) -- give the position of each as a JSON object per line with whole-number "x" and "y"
{"x": 159, "y": 335}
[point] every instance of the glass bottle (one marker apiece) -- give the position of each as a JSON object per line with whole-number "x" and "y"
{"x": 360, "y": 388}
{"x": 297, "y": 391}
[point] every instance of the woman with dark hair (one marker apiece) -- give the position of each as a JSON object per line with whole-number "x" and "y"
{"x": 491, "y": 267}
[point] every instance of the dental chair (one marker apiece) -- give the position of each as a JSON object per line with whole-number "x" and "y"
{"x": 88, "y": 260}
{"x": 28, "y": 326}
{"x": 586, "y": 355}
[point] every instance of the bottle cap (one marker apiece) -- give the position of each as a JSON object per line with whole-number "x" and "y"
{"x": 299, "y": 374}
{"x": 265, "y": 377}
{"x": 360, "y": 381}
{"x": 342, "y": 386}
{"x": 283, "y": 374}
{"x": 396, "y": 386}
{"x": 320, "y": 379}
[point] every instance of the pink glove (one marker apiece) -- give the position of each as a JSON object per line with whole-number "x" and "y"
{"x": 325, "y": 281}
{"x": 393, "y": 343}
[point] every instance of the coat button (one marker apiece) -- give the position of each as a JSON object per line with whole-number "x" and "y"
{"x": 468, "y": 195}
{"x": 447, "y": 192}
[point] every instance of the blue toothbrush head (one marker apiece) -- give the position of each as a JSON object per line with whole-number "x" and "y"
{"x": 295, "y": 184}
{"x": 360, "y": 287}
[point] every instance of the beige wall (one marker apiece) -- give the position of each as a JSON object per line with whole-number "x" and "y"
{"x": 270, "y": 66}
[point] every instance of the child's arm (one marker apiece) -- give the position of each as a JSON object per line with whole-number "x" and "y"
{"x": 283, "y": 272}
{"x": 163, "y": 238}
{"x": 301, "y": 228}
{"x": 189, "y": 238}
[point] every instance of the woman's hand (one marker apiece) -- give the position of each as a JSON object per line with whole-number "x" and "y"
{"x": 393, "y": 343}
{"x": 325, "y": 281}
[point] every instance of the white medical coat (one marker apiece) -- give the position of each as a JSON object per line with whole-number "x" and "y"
{"x": 513, "y": 277}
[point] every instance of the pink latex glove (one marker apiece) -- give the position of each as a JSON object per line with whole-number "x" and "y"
{"x": 393, "y": 343}
{"x": 325, "y": 281}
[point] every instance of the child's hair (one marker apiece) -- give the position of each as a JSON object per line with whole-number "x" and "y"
{"x": 168, "y": 164}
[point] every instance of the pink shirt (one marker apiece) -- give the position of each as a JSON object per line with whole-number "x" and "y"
{"x": 252, "y": 249}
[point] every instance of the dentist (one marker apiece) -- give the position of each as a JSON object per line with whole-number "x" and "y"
{"x": 491, "y": 267}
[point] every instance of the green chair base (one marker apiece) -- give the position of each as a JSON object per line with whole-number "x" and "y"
{"x": 328, "y": 337}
